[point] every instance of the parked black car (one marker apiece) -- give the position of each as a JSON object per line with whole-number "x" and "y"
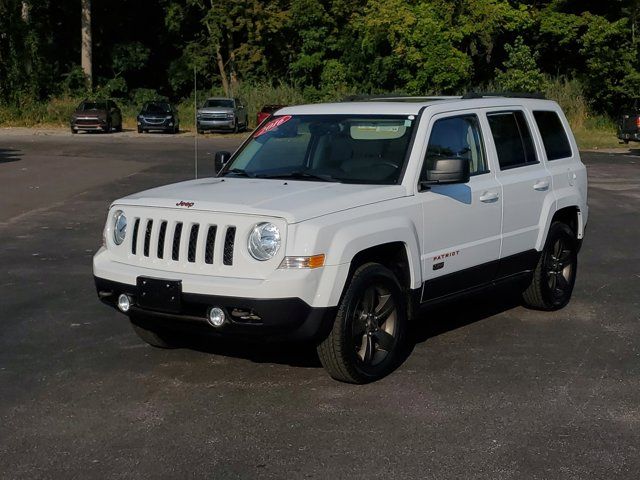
{"x": 158, "y": 115}
{"x": 629, "y": 124}
{"x": 97, "y": 115}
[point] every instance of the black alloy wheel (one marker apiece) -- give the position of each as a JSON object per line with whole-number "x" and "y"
{"x": 555, "y": 275}
{"x": 366, "y": 339}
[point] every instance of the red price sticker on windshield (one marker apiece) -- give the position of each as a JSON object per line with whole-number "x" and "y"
{"x": 272, "y": 125}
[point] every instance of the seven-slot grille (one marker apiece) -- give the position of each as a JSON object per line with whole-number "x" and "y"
{"x": 182, "y": 241}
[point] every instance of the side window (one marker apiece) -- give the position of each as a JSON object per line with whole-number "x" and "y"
{"x": 457, "y": 137}
{"x": 554, "y": 137}
{"x": 512, "y": 138}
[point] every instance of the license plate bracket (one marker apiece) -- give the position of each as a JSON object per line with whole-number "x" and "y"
{"x": 159, "y": 294}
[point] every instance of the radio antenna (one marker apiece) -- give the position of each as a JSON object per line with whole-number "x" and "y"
{"x": 195, "y": 120}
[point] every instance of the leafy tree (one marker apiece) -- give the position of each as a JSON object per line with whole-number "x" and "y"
{"x": 521, "y": 73}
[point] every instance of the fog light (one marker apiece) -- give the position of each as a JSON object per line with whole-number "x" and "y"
{"x": 216, "y": 317}
{"x": 124, "y": 303}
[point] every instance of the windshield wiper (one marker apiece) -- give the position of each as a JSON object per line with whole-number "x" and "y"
{"x": 302, "y": 176}
{"x": 241, "y": 172}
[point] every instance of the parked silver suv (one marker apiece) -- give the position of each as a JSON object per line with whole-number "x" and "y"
{"x": 222, "y": 114}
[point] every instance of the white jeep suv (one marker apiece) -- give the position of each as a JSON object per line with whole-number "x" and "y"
{"x": 336, "y": 222}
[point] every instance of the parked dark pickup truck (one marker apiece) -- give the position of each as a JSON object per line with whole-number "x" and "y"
{"x": 629, "y": 124}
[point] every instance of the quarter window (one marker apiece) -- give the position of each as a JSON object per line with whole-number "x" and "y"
{"x": 512, "y": 138}
{"x": 554, "y": 137}
{"x": 457, "y": 137}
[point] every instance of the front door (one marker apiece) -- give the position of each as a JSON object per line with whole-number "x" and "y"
{"x": 461, "y": 222}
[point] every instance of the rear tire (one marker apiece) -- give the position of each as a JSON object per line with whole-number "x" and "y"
{"x": 367, "y": 335}
{"x": 139, "y": 130}
{"x": 555, "y": 274}
{"x": 153, "y": 337}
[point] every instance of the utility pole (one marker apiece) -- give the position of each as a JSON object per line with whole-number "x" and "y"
{"x": 86, "y": 54}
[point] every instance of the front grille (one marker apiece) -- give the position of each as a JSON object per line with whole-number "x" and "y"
{"x": 190, "y": 242}
{"x": 175, "y": 253}
{"x": 214, "y": 116}
{"x": 229, "y": 240}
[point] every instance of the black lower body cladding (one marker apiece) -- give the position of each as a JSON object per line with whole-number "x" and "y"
{"x": 269, "y": 319}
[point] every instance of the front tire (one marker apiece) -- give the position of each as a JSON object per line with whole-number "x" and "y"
{"x": 367, "y": 335}
{"x": 555, "y": 274}
{"x": 153, "y": 337}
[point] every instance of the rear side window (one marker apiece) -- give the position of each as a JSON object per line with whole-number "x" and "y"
{"x": 512, "y": 138}
{"x": 457, "y": 137}
{"x": 554, "y": 137}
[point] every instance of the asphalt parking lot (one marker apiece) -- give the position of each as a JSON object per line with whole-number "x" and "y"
{"x": 491, "y": 390}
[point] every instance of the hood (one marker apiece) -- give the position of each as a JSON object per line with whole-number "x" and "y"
{"x": 295, "y": 201}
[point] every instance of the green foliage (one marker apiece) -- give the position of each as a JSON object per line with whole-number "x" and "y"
{"x": 142, "y": 95}
{"x": 324, "y": 49}
{"x": 129, "y": 57}
{"x": 521, "y": 73}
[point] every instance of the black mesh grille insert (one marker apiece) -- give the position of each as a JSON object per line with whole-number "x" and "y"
{"x": 163, "y": 233}
{"x": 134, "y": 238}
{"x": 211, "y": 241}
{"x": 229, "y": 239}
{"x": 147, "y": 237}
{"x": 193, "y": 239}
{"x": 175, "y": 252}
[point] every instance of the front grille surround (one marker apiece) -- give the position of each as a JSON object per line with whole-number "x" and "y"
{"x": 170, "y": 241}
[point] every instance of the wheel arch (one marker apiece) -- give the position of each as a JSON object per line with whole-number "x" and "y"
{"x": 568, "y": 213}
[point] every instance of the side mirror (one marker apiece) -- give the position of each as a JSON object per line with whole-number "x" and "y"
{"x": 446, "y": 171}
{"x": 221, "y": 158}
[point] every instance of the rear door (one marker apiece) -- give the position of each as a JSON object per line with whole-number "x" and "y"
{"x": 526, "y": 185}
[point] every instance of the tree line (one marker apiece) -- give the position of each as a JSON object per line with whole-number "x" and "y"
{"x": 322, "y": 48}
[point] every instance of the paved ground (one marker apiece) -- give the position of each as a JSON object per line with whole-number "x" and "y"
{"x": 491, "y": 390}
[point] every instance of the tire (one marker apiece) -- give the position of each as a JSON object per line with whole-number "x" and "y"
{"x": 119, "y": 129}
{"x": 555, "y": 274}
{"x": 367, "y": 335}
{"x": 74, "y": 131}
{"x": 139, "y": 130}
{"x": 154, "y": 338}
{"x": 200, "y": 131}
{"x": 626, "y": 142}
{"x": 108, "y": 128}
{"x": 236, "y": 127}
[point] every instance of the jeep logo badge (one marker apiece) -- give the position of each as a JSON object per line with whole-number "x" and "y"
{"x": 182, "y": 203}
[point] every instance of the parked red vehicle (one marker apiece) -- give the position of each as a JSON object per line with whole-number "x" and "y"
{"x": 266, "y": 112}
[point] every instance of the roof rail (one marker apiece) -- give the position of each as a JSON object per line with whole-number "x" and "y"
{"x": 397, "y": 98}
{"x": 472, "y": 95}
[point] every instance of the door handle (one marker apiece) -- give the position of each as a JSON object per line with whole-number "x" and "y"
{"x": 541, "y": 186}
{"x": 489, "y": 197}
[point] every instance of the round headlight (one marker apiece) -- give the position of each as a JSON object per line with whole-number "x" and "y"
{"x": 264, "y": 241}
{"x": 119, "y": 227}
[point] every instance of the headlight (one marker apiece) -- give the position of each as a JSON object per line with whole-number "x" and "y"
{"x": 230, "y": 115}
{"x": 119, "y": 227}
{"x": 168, "y": 117}
{"x": 264, "y": 241}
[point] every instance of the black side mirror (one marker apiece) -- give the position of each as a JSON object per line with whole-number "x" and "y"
{"x": 446, "y": 171}
{"x": 221, "y": 158}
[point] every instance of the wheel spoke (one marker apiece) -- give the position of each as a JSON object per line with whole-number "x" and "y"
{"x": 368, "y": 300}
{"x": 564, "y": 257}
{"x": 369, "y": 350}
{"x": 561, "y": 282}
{"x": 384, "y": 340}
{"x": 385, "y": 308}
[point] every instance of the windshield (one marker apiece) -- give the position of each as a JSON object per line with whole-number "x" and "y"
{"x": 94, "y": 106}
{"x": 218, "y": 102}
{"x": 161, "y": 108}
{"x": 344, "y": 148}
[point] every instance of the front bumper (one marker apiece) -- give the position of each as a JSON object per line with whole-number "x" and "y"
{"x": 273, "y": 319}
{"x": 228, "y": 124}
{"x": 629, "y": 136}
{"x": 167, "y": 124}
{"x": 89, "y": 124}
